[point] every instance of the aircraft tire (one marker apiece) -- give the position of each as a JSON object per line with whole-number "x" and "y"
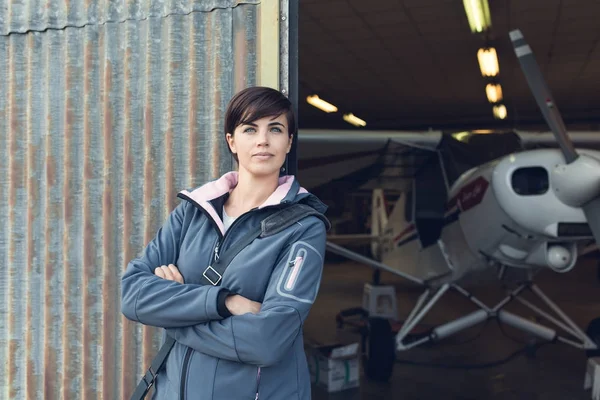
{"x": 381, "y": 350}
{"x": 593, "y": 331}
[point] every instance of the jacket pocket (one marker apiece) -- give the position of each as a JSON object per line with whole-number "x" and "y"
{"x": 235, "y": 381}
{"x": 196, "y": 375}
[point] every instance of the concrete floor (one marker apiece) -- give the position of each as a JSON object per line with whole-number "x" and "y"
{"x": 556, "y": 371}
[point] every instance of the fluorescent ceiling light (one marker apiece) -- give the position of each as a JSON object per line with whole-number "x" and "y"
{"x": 478, "y": 14}
{"x": 466, "y": 135}
{"x": 500, "y": 111}
{"x": 493, "y": 92}
{"x": 354, "y": 120}
{"x": 321, "y": 104}
{"x": 462, "y": 136}
{"x": 488, "y": 61}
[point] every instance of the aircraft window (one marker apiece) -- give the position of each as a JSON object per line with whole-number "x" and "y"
{"x": 530, "y": 181}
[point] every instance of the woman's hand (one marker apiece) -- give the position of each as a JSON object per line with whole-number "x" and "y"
{"x": 238, "y": 305}
{"x": 169, "y": 272}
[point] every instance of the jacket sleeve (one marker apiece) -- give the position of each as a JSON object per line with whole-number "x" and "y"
{"x": 263, "y": 339}
{"x": 151, "y": 300}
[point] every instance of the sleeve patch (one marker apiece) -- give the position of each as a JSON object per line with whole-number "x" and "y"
{"x": 296, "y": 266}
{"x": 297, "y": 282}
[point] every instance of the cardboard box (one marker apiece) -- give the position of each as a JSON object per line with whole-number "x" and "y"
{"x": 334, "y": 367}
{"x": 380, "y": 301}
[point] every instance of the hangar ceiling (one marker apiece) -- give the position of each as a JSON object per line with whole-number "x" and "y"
{"x": 412, "y": 64}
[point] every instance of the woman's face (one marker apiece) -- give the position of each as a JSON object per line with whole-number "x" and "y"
{"x": 261, "y": 146}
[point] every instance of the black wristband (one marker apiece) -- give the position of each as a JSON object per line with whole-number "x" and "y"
{"x": 221, "y": 307}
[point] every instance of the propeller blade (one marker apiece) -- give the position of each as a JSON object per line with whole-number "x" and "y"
{"x": 542, "y": 95}
{"x": 592, "y": 214}
{"x": 547, "y": 105}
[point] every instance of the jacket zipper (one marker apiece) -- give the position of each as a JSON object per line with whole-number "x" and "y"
{"x": 257, "y": 383}
{"x": 186, "y": 364}
{"x": 220, "y": 241}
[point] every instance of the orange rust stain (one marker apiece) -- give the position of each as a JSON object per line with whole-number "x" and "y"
{"x": 50, "y": 214}
{"x": 127, "y": 357}
{"x": 69, "y": 114}
{"x": 14, "y": 120}
{"x": 32, "y": 378}
{"x": 240, "y": 55}
{"x": 108, "y": 327}
{"x": 13, "y": 346}
{"x": 50, "y": 363}
{"x": 88, "y": 360}
{"x": 148, "y": 169}
{"x": 88, "y": 300}
{"x": 50, "y": 170}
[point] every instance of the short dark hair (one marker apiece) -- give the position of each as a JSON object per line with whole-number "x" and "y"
{"x": 257, "y": 102}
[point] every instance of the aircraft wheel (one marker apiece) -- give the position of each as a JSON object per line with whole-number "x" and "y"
{"x": 593, "y": 331}
{"x": 381, "y": 350}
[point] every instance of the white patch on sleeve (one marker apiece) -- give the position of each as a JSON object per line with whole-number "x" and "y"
{"x": 291, "y": 280}
{"x": 294, "y": 283}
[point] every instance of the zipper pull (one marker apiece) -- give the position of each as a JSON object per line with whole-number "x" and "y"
{"x": 217, "y": 253}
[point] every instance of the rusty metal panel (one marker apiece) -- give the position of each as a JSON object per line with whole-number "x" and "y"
{"x": 101, "y": 124}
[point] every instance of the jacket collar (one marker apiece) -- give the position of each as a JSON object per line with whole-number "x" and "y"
{"x": 286, "y": 191}
{"x": 204, "y": 196}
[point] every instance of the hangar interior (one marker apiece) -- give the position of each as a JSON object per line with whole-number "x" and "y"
{"x": 411, "y": 69}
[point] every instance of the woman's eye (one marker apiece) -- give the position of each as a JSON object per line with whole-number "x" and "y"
{"x": 249, "y": 130}
{"x": 276, "y": 130}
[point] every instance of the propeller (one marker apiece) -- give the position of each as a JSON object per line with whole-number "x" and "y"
{"x": 547, "y": 105}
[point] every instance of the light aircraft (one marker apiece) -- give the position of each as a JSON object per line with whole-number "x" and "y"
{"x": 500, "y": 204}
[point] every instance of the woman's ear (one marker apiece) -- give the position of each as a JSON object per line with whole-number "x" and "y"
{"x": 230, "y": 142}
{"x": 290, "y": 141}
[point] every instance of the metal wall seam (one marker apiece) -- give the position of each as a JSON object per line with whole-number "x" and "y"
{"x": 21, "y": 16}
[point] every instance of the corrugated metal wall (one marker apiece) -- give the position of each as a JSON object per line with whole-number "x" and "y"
{"x": 107, "y": 109}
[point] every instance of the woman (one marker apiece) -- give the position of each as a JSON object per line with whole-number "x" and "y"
{"x": 243, "y": 338}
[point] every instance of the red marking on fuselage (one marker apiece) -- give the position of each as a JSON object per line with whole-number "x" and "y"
{"x": 409, "y": 229}
{"x": 469, "y": 195}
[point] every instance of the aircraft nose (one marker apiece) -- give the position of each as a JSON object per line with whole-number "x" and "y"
{"x": 577, "y": 183}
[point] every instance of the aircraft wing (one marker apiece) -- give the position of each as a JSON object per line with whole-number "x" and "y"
{"x": 364, "y": 159}
{"x": 581, "y": 139}
{"x": 389, "y": 159}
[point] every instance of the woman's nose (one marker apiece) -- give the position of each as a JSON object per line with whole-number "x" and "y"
{"x": 263, "y": 137}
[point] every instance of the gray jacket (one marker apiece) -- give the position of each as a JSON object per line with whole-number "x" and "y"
{"x": 216, "y": 355}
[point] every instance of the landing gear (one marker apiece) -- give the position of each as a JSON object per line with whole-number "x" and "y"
{"x": 377, "y": 338}
{"x": 380, "y": 350}
{"x": 574, "y": 335}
